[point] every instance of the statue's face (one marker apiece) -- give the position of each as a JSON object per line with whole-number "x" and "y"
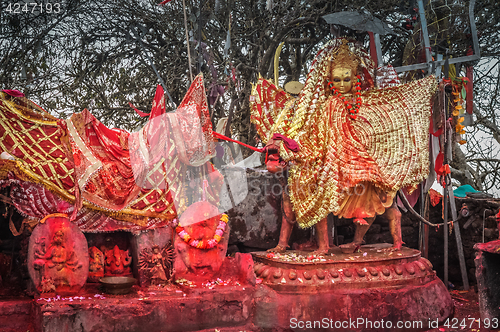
{"x": 342, "y": 79}
{"x": 58, "y": 237}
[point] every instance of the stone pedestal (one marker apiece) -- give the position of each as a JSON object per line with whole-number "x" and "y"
{"x": 367, "y": 291}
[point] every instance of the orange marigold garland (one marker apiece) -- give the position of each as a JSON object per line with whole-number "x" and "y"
{"x": 457, "y": 101}
{"x": 204, "y": 244}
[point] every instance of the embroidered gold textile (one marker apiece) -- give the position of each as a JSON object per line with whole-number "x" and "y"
{"x": 89, "y": 165}
{"x": 349, "y": 167}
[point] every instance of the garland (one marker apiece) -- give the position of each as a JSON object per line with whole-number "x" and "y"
{"x": 352, "y": 108}
{"x": 204, "y": 244}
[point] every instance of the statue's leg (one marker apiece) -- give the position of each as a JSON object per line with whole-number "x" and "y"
{"x": 394, "y": 216}
{"x": 322, "y": 233}
{"x": 361, "y": 230}
{"x": 287, "y": 222}
{"x": 359, "y": 234}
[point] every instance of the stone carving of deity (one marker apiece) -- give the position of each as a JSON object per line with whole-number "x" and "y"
{"x": 118, "y": 262}
{"x": 57, "y": 258}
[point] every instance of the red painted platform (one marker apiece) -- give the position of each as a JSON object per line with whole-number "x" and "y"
{"x": 333, "y": 292}
{"x": 164, "y": 309}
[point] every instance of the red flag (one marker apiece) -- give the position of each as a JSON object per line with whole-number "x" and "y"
{"x": 158, "y": 107}
{"x": 164, "y": 2}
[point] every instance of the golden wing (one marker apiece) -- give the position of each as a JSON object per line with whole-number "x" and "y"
{"x": 271, "y": 109}
{"x": 393, "y": 131}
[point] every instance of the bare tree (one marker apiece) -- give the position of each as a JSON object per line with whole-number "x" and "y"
{"x": 103, "y": 54}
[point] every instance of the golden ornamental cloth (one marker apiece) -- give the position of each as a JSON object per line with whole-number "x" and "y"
{"x": 90, "y": 166}
{"x": 349, "y": 167}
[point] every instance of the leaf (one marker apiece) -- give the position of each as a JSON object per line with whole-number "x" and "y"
{"x": 464, "y": 92}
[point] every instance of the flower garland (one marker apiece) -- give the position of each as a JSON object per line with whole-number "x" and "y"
{"x": 459, "y": 94}
{"x": 204, "y": 244}
{"x": 353, "y": 109}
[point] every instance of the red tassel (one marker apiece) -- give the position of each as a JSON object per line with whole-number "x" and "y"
{"x": 138, "y": 112}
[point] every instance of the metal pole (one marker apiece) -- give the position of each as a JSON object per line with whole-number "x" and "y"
{"x": 426, "y": 231}
{"x": 379, "y": 50}
{"x": 445, "y": 191}
{"x": 200, "y": 55}
{"x": 445, "y": 236}
{"x": 475, "y": 40}
{"x": 187, "y": 40}
{"x": 421, "y": 241}
{"x": 450, "y": 198}
{"x": 458, "y": 238}
{"x": 425, "y": 33}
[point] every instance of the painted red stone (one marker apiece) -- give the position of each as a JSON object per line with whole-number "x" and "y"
{"x": 199, "y": 264}
{"x": 118, "y": 262}
{"x": 375, "y": 284}
{"x": 144, "y": 243}
{"x": 487, "y": 263}
{"x": 96, "y": 264}
{"x": 58, "y": 259}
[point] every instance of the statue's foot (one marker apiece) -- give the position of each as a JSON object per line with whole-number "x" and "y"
{"x": 395, "y": 247}
{"x": 350, "y": 248}
{"x": 279, "y": 249}
{"x": 320, "y": 252}
{"x": 324, "y": 251}
{"x": 361, "y": 221}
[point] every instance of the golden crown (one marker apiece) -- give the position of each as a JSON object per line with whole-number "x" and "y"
{"x": 345, "y": 58}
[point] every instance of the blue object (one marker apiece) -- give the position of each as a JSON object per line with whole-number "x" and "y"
{"x": 462, "y": 190}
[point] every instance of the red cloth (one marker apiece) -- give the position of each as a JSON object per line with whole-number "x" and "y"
{"x": 435, "y": 197}
{"x": 289, "y": 143}
{"x": 438, "y": 164}
{"x": 89, "y": 165}
{"x": 36, "y": 201}
{"x": 113, "y": 185}
{"x": 158, "y": 106}
{"x": 14, "y": 93}
{"x": 411, "y": 198}
{"x": 142, "y": 114}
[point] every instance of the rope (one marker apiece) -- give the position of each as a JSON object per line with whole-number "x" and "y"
{"x": 225, "y": 138}
{"x": 412, "y": 211}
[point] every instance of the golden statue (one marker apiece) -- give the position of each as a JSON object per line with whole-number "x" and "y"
{"x": 358, "y": 145}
